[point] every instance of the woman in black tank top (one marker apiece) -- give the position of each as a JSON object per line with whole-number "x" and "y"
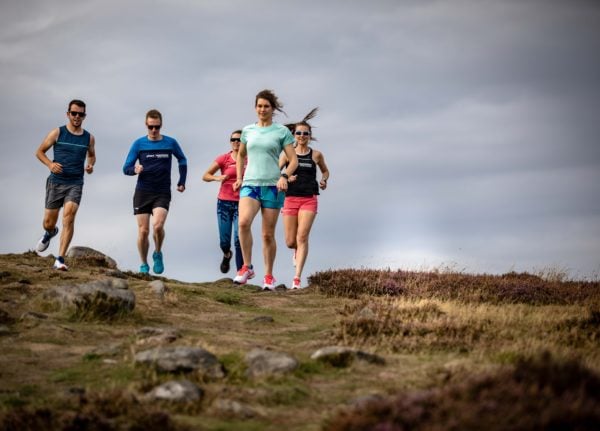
{"x": 300, "y": 207}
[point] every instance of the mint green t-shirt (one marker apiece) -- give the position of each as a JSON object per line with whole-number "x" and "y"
{"x": 264, "y": 145}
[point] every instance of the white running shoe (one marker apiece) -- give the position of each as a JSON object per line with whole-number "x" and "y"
{"x": 269, "y": 282}
{"x": 60, "y": 265}
{"x": 244, "y": 275}
{"x": 44, "y": 241}
{"x": 296, "y": 283}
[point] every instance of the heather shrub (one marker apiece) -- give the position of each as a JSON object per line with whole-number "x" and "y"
{"x": 97, "y": 412}
{"x": 537, "y": 393}
{"x": 510, "y": 288}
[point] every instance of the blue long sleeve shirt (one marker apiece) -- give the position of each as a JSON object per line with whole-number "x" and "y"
{"x": 155, "y": 157}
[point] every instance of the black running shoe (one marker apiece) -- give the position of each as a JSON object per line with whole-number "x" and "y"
{"x": 225, "y": 263}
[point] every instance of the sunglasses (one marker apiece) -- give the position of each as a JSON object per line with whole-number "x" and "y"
{"x": 153, "y": 127}
{"x": 77, "y": 114}
{"x": 235, "y": 140}
{"x": 299, "y": 133}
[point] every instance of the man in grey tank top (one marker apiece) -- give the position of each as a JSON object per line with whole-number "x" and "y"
{"x": 71, "y": 145}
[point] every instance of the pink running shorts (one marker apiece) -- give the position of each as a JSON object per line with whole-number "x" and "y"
{"x": 293, "y": 204}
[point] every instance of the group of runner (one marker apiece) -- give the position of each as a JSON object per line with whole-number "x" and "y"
{"x": 271, "y": 168}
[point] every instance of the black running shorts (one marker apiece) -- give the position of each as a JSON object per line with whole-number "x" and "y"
{"x": 144, "y": 202}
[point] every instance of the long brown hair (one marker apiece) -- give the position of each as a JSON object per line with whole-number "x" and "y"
{"x": 272, "y": 98}
{"x": 304, "y": 122}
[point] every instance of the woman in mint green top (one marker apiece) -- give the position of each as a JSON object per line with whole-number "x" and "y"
{"x": 262, "y": 186}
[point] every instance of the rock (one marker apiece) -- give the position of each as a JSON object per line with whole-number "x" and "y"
{"x": 181, "y": 358}
{"x": 340, "y": 356}
{"x": 90, "y": 254}
{"x": 369, "y": 357}
{"x": 115, "y": 273}
{"x": 150, "y": 335}
{"x": 366, "y": 313}
{"x": 176, "y": 391}
{"x": 233, "y": 409}
{"x": 364, "y": 400}
{"x": 107, "y": 298}
{"x": 113, "y": 349}
{"x": 5, "y": 330}
{"x": 262, "y": 319}
{"x": 158, "y": 287}
{"x": 263, "y": 362}
{"x": 6, "y": 318}
{"x": 33, "y": 315}
{"x": 32, "y": 319}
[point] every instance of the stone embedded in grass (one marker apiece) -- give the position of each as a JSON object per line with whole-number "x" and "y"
{"x": 102, "y": 299}
{"x": 340, "y": 356}
{"x": 158, "y": 287}
{"x": 233, "y": 409}
{"x": 5, "y": 317}
{"x": 262, "y": 319}
{"x": 151, "y": 335}
{"x": 91, "y": 255}
{"x": 176, "y": 391}
{"x": 182, "y": 359}
{"x": 262, "y": 363}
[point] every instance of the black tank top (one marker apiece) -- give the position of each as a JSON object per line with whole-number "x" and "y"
{"x": 306, "y": 181}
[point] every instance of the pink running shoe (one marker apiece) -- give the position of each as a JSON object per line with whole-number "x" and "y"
{"x": 296, "y": 283}
{"x": 269, "y": 282}
{"x": 244, "y": 275}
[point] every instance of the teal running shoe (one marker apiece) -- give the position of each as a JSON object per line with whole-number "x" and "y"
{"x": 159, "y": 267}
{"x": 144, "y": 268}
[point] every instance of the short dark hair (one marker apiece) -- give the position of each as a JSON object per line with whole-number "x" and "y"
{"x": 77, "y": 102}
{"x": 235, "y": 132}
{"x": 154, "y": 113}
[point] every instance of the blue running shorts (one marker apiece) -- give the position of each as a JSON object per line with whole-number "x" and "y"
{"x": 268, "y": 196}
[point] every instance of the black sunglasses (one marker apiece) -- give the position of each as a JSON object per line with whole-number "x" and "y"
{"x": 77, "y": 114}
{"x": 299, "y": 133}
{"x": 235, "y": 140}
{"x": 153, "y": 127}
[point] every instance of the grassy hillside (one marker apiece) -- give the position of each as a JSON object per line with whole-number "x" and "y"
{"x": 456, "y": 348}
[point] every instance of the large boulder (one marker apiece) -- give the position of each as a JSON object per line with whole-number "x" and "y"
{"x": 89, "y": 254}
{"x": 103, "y": 299}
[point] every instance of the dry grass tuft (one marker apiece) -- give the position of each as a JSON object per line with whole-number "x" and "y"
{"x": 408, "y": 326}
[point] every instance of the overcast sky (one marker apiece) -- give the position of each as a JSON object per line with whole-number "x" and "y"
{"x": 460, "y": 134}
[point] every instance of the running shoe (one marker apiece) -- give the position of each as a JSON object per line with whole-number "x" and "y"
{"x": 225, "y": 263}
{"x": 144, "y": 268}
{"x": 158, "y": 267}
{"x": 269, "y": 282}
{"x": 60, "y": 265}
{"x": 296, "y": 283}
{"x": 44, "y": 241}
{"x": 244, "y": 275}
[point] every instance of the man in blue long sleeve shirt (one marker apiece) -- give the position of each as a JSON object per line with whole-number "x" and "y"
{"x": 152, "y": 196}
